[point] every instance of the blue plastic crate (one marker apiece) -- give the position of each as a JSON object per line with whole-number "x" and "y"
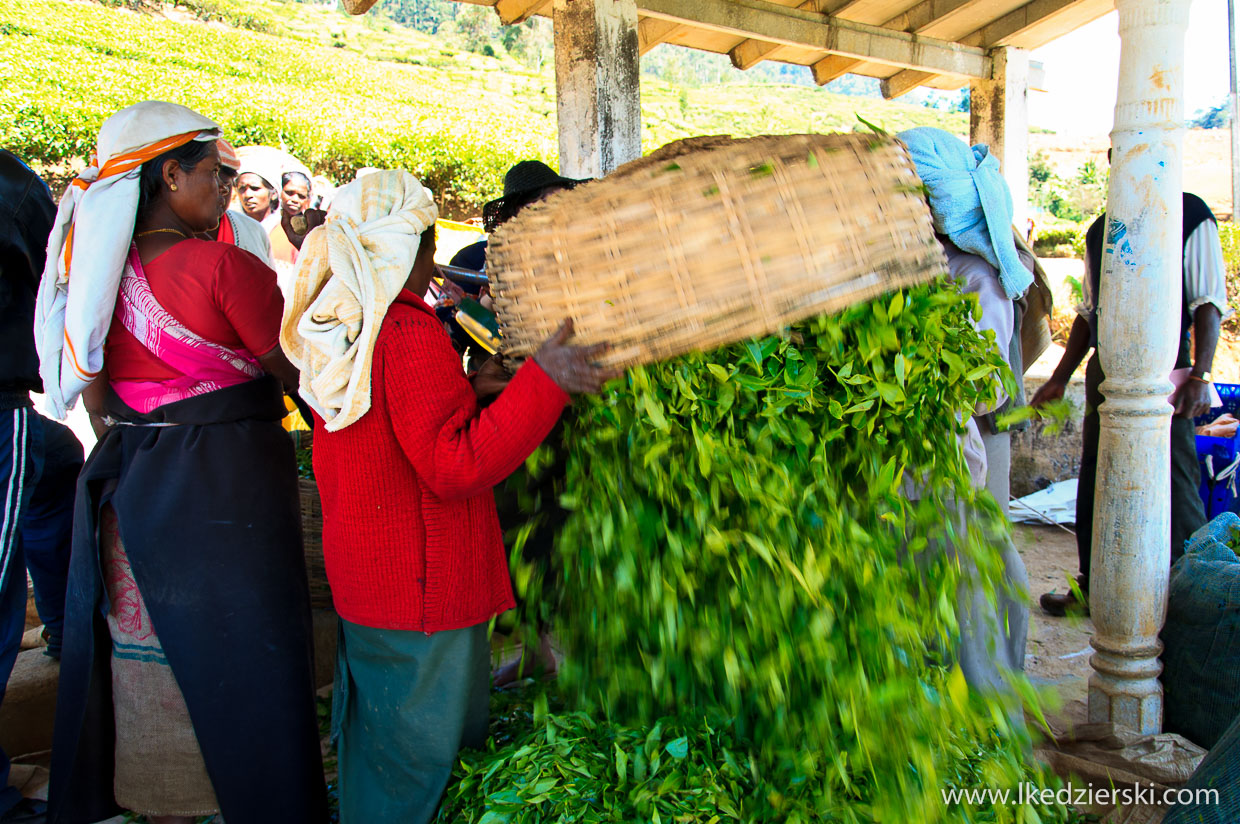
{"x": 1219, "y": 496}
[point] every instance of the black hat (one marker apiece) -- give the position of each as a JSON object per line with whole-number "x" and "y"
{"x": 521, "y": 184}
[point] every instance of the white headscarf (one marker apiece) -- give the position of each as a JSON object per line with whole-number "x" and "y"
{"x": 90, "y": 240}
{"x": 349, "y": 272}
{"x": 269, "y": 163}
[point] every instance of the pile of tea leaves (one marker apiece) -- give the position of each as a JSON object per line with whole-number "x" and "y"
{"x": 752, "y": 590}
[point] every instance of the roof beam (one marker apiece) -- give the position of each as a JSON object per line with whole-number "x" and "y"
{"x": 803, "y": 29}
{"x": 840, "y": 6}
{"x": 751, "y": 52}
{"x": 903, "y": 82}
{"x": 651, "y": 31}
{"x": 988, "y": 36}
{"x": 916, "y": 20}
{"x": 926, "y": 14}
{"x": 512, "y": 12}
{"x": 831, "y": 67}
{"x": 1015, "y": 22}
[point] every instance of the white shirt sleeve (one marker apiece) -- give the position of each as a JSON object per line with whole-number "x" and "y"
{"x": 977, "y": 277}
{"x": 1205, "y": 276}
{"x": 251, "y": 236}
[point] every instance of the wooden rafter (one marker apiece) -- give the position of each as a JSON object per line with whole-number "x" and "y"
{"x": 1014, "y": 23}
{"x": 988, "y": 36}
{"x": 803, "y": 29}
{"x": 651, "y": 31}
{"x": 846, "y": 33}
{"x": 512, "y": 12}
{"x": 915, "y": 20}
{"x": 831, "y": 67}
{"x": 904, "y": 82}
{"x": 750, "y": 52}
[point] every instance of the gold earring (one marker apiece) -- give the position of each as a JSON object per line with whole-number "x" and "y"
{"x": 174, "y": 187}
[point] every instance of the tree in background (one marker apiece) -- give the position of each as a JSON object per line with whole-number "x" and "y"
{"x": 421, "y": 15}
{"x": 478, "y": 28}
{"x": 1076, "y": 199}
{"x": 530, "y": 42}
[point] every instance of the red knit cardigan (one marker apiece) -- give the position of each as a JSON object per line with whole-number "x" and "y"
{"x": 410, "y": 534}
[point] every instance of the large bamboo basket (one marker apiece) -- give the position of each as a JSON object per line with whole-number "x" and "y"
{"x": 712, "y": 240}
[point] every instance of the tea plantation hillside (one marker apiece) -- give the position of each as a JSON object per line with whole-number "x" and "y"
{"x": 344, "y": 92}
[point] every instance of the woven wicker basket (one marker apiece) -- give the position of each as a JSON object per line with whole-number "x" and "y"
{"x": 712, "y": 240}
{"x": 312, "y": 539}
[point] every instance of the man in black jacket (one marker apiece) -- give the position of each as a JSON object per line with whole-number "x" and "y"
{"x": 1203, "y": 307}
{"x": 26, "y": 215}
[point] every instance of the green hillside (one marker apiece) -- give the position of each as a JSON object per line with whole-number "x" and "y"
{"x": 345, "y": 92}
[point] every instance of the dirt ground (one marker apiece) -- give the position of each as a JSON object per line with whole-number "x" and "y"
{"x": 1057, "y": 655}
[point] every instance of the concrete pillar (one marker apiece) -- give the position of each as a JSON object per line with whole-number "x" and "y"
{"x": 999, "y": 117}
{"x": 1141, "y": 274}
{"x": 597, "y": 85}
{"x": 1233, "y": 106}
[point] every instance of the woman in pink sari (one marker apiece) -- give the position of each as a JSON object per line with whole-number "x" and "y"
{"x": 186, "y": 685}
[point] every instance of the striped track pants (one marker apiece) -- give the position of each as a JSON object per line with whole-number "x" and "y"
{"x": 21, "y": 445}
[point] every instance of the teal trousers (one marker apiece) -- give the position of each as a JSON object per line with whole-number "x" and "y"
{"x": 403, "y": 705}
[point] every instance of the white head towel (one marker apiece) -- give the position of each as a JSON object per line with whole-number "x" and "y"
{"x": 90, "y": 239}
{"x": 269, "y": 163}
{"x": 349, "y": 272}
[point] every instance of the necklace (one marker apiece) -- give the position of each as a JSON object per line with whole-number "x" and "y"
{"x": 157, "y": 231}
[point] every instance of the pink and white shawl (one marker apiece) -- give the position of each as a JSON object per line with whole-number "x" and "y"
{"x": 204, "y": 366}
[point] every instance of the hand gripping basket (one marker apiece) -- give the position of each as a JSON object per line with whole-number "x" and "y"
{"x": 712, "y": 240}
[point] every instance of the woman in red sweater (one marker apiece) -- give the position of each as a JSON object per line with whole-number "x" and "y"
{"x": 411, "y": 539}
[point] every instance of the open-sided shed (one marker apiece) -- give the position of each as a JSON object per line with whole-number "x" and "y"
{"x": 945, "y": 44}
{"x": 942, "y": 44}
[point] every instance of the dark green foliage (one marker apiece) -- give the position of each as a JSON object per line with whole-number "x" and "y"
{"x": 743, "y": 560}
{"x": 544, "y": 765}
{"x": 1061, "y": 241}
{"x": 1229, "y": 237}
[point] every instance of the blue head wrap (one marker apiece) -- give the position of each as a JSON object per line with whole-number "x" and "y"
{"x": 969, "y": 201}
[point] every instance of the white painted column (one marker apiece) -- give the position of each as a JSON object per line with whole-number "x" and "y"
{"x": 1138, "y": 324}
{"x": 1233, "y": 106}
{"x": 598, "y": 99}
{"x": 999, "y": 117}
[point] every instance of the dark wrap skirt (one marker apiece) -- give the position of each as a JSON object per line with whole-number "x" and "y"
{"x": 209, "y": 516}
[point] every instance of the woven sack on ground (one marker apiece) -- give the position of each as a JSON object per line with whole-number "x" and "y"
{"x": 1219, "y": 771}
{"x": 713, "y": 240}
{"x": 1201, "y": 639}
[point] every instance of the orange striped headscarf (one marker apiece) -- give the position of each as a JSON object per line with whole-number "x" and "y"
{"x": 98, "y": 211}
{"x": 228, "y": 155}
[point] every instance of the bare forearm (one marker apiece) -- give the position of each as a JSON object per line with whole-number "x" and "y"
{"x": 1206, "y": 323}
{"x": 1074, "y": 351}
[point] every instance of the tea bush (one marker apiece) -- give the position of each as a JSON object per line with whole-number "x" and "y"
{"x": 389, "y": 97}
{"x": 754, "y": 550}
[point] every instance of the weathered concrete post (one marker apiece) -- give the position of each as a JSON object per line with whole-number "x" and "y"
{"x": 1138, "y": 321}
{"x": 999, "y": 117}
{"x": 598, "y": 100}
